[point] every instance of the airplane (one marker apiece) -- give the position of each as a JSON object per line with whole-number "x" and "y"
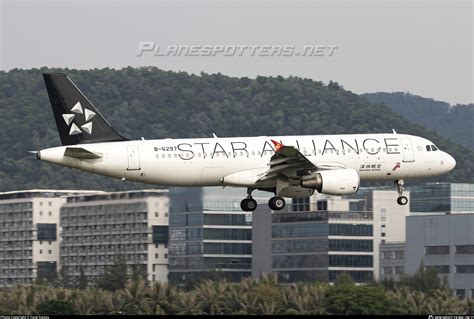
{"x": 287, "y": 166}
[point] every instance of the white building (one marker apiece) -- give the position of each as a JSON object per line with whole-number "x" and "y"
{"x": 99, "y": 229}
{"x": 29, "y": 234}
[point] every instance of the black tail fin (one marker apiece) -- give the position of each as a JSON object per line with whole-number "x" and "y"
{"x": 76, "y": 118}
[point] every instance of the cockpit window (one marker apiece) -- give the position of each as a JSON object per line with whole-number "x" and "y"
{"x": 434, "y": 148}
{"x": 428, "y": 148}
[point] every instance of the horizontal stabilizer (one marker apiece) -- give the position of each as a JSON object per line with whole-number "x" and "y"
{"x": 80, "y": 153}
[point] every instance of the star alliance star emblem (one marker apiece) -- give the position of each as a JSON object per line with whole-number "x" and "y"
{"x": 69, "y": 118}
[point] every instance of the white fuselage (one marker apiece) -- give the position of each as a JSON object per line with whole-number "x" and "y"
{"x": 207, "y": 161}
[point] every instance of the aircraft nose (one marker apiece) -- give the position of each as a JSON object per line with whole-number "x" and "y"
{"x": 449, "y": 162}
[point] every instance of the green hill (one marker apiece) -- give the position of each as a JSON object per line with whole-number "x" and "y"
{"x": 455, "y": 122}
{"x": 152, "y": 103}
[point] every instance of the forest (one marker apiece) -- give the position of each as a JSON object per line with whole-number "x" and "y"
{"x": 420, "y": 294}
{"x": 454, "y": 122}
{"x": 152, "y": 103}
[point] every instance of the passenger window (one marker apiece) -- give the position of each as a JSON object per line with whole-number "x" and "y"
{"x": 428, "y": 148}
{"x": 434, "y": 148}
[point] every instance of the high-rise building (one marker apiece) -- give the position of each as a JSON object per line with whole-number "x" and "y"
{"x": 444, "y": 243}
{"x": 101, "y": 229}
{"x": 29, "y": 235}
{"x": 323, "y": 236}
{"x": 392, "y": 260}
{"x": 210, "y": 236}
{"x": 442, "y": 198}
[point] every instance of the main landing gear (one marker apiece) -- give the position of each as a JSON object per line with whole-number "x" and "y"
{"x": 249, "y": 204}
{"x": 401, "y": 200}
{"x": 276, "y": 203}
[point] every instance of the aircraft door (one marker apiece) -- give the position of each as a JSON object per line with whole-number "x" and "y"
{"x": 133, "y": 158}
{"x": 408, "y": 154}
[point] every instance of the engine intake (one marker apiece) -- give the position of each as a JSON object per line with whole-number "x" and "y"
{"x": 334, "y": 182}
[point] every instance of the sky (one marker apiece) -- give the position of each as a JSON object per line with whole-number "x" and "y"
{"x": 421, "y": 47}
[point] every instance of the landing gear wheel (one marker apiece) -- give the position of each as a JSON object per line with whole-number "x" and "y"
{"x": 276, "y": 203}
{"x": 248, "y": 204}
{"x": 402, "y": 200}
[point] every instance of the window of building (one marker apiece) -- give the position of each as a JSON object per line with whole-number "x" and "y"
{"x": 398, "y": 254}
{"x": 322, "y": 205}
{"x": 387, "y": 271}
{"x": 350, "y": 245}
{"x": 49, "y": 251}
{"x": 436, "y": 250}
{"x": 399, "y": 270}
{"x": 350, "y": 230}
{"x": 160, "y": 234}
{"x": 46, "y": 269}
{"x": 461, "y": 293}
{"x": 229, "y": 234}
{"x": 301, "y": 204}
{"x": 41, "y": 251}
{"x": 465, "y": 269}
{"x": 440, "y": 269}
{"x": 228, "y": 248}
{"x": 166, "y": 256}
{"x": 464, "y": 249}
{"x": 46, "y": 231}
{"x": 350, "y": 261}
{"x": 156, "y": 255}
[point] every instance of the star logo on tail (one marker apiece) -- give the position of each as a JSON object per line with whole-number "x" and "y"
{"x": 77, "y": 109}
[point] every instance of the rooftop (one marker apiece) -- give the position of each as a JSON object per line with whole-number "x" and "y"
{"x": 31, "y": 193}
{"x": 116, "y": 195}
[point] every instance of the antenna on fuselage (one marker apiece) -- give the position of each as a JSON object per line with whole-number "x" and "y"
{"x": 393, "y": 130}
{"x": 214, "y": 135}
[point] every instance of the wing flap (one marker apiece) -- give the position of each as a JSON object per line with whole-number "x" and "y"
{"x": 288, "y": 158}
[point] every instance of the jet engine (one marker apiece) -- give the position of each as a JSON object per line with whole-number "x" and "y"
{"x": 334, "y": 182}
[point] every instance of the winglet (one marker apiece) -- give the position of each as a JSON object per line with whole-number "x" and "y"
{"x": 278, "y": 146}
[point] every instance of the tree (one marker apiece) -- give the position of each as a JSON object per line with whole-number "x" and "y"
{"x": 343, "y": 280}
{"x": 359, "y": 300}
{"x": 424, "y": 280}
{"x": 56, "y": 307}
{"x": 115, "y": 276}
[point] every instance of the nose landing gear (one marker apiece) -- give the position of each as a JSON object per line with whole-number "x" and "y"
{"x": 401, "y": 200}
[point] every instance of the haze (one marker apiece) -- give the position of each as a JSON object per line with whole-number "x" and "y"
{"x": 422, "y": 47}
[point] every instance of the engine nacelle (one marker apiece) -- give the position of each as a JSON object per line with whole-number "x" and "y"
{"x": 334, "y": 182}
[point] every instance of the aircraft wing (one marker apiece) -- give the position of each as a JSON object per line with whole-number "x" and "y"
{"x": 288, "y": 159}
